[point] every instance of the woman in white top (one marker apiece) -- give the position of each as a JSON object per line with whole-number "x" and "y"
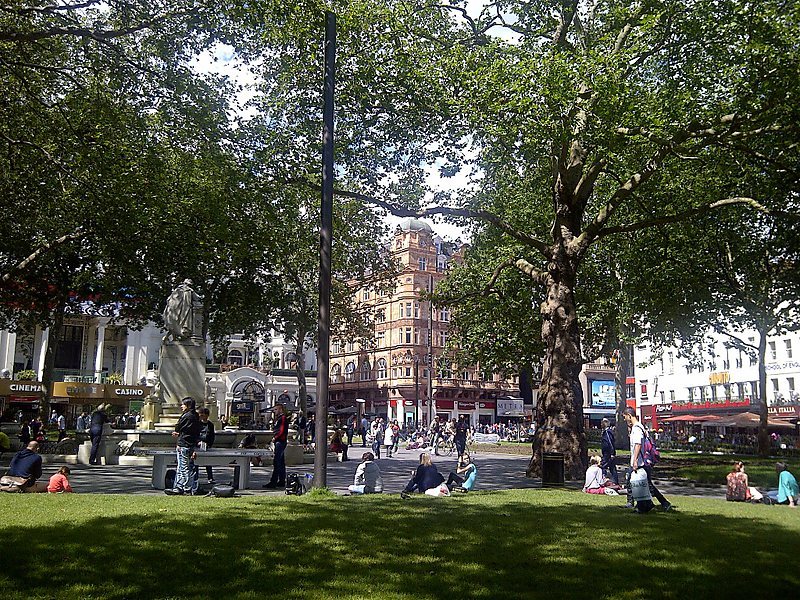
{"x": 594, "y": 477}
{"x": 388, "y": 441}
{"x": 368, "y": 478}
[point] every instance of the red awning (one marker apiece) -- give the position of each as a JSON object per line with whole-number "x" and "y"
{"x": 691, "y": 418}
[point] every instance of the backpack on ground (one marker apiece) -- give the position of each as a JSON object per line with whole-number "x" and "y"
{"x": 294, "y": 486}
{"x": 222, "y": 491}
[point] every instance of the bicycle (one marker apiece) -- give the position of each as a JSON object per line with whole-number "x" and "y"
{"x": 445, "y": 447}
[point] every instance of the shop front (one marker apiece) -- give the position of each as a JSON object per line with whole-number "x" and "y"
{"x": 19, "y": 398}
{"x": 72, "y": 398}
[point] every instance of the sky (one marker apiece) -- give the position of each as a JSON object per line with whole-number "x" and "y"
{"x": 222, "y": 60}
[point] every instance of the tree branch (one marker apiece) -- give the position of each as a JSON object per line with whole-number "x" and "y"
{"x": 400, "y": 211}
{"x": 528, "y": 269}
{"x": 75, "y": 235}
{"x": 682, "y": 216}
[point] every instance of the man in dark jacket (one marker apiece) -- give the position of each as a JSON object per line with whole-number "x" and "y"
{"x": 207, "y": 435}
{"x": 187, "y": 436}
{"x": 98, "y": 419}
{"x": 607, "y": 442}
{"x": 28, "y": 464}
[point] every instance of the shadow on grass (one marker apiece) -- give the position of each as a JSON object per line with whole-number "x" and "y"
{"x": 512, "y": 545}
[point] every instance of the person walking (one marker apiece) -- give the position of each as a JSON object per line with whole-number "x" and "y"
{"x": 61, "y": 423}
{"x": 24, "y": 433}
{"x": 96, "y": 422}
{"x": 187, "y": 436}
{"x": 460, "y": 438}
{"x": 363, "y": 431}
{"x": 350, "y": 429}
{"x": 637, "y": 434}
{"x": 207, "y": 436}
{"x": 280, "y": 433}
{"x": 377, "y": 432}
{"x": 609, "y": 452}
{"x": 388, "y": 440}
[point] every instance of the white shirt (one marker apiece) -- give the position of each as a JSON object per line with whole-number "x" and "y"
{"x": 636, "y": 437}
{"x": 594, "y": 478}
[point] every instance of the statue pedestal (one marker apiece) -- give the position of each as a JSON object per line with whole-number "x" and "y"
{"x": 182, "y": 370}
{"x": 151, "y": 413}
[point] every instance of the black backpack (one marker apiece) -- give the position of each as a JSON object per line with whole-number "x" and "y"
{"x": 294, "y": 486}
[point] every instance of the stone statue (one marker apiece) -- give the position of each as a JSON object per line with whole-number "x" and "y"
{"x": 183, "y": 315}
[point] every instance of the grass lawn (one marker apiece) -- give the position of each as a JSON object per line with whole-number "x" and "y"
{"x": 760, "y": 471}
{"x": 515, "y": 544}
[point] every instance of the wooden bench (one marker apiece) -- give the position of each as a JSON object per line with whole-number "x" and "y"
{"x": 164, "y": 459}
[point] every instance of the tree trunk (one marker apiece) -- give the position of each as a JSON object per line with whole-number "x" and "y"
{"x": 763, "y": 434}
{"x": 559, "y": 414}
{"x": 53, "y": 339}
{"x": 621, "y": 440}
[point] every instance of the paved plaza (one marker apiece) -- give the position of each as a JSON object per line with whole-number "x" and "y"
{"x": 495, "y": 472}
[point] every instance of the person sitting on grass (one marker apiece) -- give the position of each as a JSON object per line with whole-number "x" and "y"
{"x": 595, "y": 482}
{"x": 465, "y": 477}
{"x": 59, "y": 483}
{"x": 368, "y": 478}
{"x": 27, "y": 464}
{"x": 739, "y": 489}
{"x": 425, "y": 477}
{"x": 788, "y": 491}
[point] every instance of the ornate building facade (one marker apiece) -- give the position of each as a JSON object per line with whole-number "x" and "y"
{"x": 403, "y": 374}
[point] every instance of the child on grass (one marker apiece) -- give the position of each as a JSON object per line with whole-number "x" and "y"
{"x": 59, "y": 483}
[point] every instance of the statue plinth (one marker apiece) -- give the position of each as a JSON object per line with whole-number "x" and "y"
{"x": 182, "y": 371}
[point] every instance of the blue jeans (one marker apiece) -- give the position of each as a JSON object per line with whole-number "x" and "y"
{"x": 183, "y": 474}
{"x": 279, "y": 465}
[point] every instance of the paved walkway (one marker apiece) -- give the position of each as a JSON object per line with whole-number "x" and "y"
{"x": 495, "y": 472}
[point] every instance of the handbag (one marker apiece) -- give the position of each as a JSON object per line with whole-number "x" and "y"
{"x": 12, "y": 484}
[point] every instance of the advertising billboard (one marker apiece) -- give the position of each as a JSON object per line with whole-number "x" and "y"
{"x": 603, "y": 393}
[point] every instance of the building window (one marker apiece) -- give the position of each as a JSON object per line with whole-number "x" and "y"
{"x": 671, "y": 363}
{"x": 465, "y": 376}
{"x": 349, "y": 371}
{"x": 380, "y": 315}
{"x": 336, "y": 373}
{"x": 739, "y": 361}
{"x": 365, "y": 295}
{"x": 408, "y": 335}
{"x": 753, "y": 360}
{"x": 235, "y": 358}
{"x": 444, "y": 315}
{"x": 423, "y": 263}
{"x": 416, "y": 336}
{"x": 408, "y": 371}
{"x": 381, "y": 339}
{"x": 408, "y": 309}
{"x": 672, "y": 395}
{"x": 773, "y": 351}
{"x": 351, "y": 346}
{"x": 365, "y": 371}
{"x": 442, "y": 339}
{"x": 788, "y": 347}
{"x": 382, "y": 368}
{"x": 416, "y": 310}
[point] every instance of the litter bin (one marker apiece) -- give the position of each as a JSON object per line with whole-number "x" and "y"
{"x": 552, "y": 469}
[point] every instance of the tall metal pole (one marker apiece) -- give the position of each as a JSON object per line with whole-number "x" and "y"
{"x": 325, "y": 238}
{"x": 431, "y": 411}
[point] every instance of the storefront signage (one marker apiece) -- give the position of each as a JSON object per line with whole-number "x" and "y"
{"x": 720, "y": 378}
{"x": 126, "y": 391}
{"x": 63, "y": 389}
{"x": 242, "y": 407}
{"x": 791, "y": 364}
{"x": 663, "y": 408}
{"x": 784, "y": 411}
{"x": 10, "y": 387}
{"x": 466, "y": 405}
{"x": 710, "y": 404}
{"x": 409, "y": 403}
